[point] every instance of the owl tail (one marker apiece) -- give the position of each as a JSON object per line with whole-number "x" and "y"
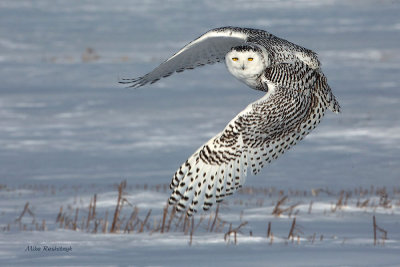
{"x": 326, "y": 94}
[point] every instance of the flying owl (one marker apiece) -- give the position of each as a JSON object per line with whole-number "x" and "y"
{"x": 296, "y": 97}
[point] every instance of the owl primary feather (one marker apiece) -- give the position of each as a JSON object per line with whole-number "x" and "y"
{"x": 297, "y": 96}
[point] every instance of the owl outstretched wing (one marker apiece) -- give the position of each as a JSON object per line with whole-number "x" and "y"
{"x": 212, "y": 47}
{"x": 260, "y": 133}
{"x": 209, "y": 48}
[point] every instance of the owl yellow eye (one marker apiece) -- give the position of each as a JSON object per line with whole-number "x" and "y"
{"x": 235, "y": 59}
{"x": 250, "y": 59}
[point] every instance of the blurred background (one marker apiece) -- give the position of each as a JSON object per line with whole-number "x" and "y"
{"x": 64, "y": 119}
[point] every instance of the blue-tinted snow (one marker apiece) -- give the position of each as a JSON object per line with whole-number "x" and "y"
{"x": 66, "y": 121}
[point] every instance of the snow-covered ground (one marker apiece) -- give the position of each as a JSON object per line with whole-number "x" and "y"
{"x": 68, "y": 131}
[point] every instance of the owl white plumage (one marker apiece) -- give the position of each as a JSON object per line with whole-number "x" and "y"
{"x": 247, "y": 63}
{"x": 297, "y": 95}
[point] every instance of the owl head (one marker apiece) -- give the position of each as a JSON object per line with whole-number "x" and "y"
{"x": 245, "y": 61}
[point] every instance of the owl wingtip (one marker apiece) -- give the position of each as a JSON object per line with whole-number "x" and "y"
{"x": 133, "y": 83}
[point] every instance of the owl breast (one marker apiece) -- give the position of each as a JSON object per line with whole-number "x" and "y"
{"x": 253, "y": 80}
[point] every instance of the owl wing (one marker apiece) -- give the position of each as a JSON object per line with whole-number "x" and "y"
{"x": 209, "y": 48}
{"x": 257, "y": 135}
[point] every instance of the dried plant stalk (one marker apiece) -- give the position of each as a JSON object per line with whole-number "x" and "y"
{"x": 121, "y": 187}
{"x": 269, "y": 230}
{"x": 292, "y": 228}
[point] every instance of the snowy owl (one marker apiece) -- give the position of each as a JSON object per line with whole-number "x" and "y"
{"x": 297, "y": 96}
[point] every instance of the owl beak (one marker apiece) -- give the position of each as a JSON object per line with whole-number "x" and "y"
{"x": 243, "y": 67}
